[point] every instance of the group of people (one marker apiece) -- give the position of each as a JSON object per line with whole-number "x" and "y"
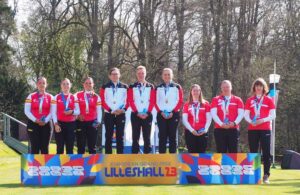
{"x": 78, "y": 115}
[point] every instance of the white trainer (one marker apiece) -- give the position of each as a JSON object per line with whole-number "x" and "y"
{"x": 266, "y": 179}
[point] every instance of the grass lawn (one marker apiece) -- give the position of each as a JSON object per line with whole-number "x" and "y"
{"x": 282, "y": 182}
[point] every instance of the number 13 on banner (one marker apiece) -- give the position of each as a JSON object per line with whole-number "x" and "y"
{"x": 171, "y": 171}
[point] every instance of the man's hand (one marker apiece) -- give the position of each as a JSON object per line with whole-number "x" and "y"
{"x": 164, "y": 115}
{"x": 170, "y": 115}
{"x": 145, "y": 116}
{"x": 118, "y": 112}
{"x": 142, "y": 116}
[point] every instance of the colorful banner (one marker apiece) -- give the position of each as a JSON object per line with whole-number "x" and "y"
{"x": 100, "y": 169}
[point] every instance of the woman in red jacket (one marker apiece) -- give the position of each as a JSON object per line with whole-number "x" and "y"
{"x": 196, "y": 119}
{"x": 90, "y": 117}
{"x": 37, "y": 109}
{"x": 259, "y": 112}
{"x": 64, "y": 111}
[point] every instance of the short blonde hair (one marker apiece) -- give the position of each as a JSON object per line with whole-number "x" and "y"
{"x": 170, "y": 70}
{"x": 228, "y": 82}
{"x": 140, "y": 68}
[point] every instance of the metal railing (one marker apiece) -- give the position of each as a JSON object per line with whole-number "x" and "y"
{"x": 14, "y": 134}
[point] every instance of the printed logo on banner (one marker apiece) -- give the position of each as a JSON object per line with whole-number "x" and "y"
{"x": 242, "y": 168}
{"x": 75, "y": 169}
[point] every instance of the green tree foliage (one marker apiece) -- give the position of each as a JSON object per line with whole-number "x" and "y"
{"x": 54, "y": 53}
{"x": 204, "y": 42}
{"x": 13, "y": 89}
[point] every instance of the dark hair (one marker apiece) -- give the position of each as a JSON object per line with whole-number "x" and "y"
{"x": 261, "y": 82}
{"x": 86, "y": 78}
{"x": 113, "y": 69}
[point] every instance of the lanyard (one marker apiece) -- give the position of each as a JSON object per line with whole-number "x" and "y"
{"x": 167, "y": 89}
{"x": 115, "y": 88}
{"x": 258, "y": 104}
{"x": 66, "y": 102}
{"x": 196, "y": 108}
{"x": 87, "y": 98}
{"x": 225, "y": 105}
{"x": 142, "y": 88}
{"x": 41, "y": 101}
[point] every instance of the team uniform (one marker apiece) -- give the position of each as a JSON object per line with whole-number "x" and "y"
{"x": 66, "y": 136}
{"x": 114, "y": 97}
{"x": 90, "y": 109}
{"x": 141, "y": 99}
{"x": 37, "y": 107}
{"x": 196, "y": 117}
{"x": 169, "y": 98}
{"x": 225, "y": 110}
{"x": 260, "y": 108}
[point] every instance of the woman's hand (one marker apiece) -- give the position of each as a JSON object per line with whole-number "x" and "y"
{"x": 81, "y": 118}
{"x": 195, "y": 133}
{"x": 225, "y": 126}
{"x": 57, "y": 128}
{"x": 69, "y": 112}
{"x": 260, "y": 121}
{"x": 40, "y": 123}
